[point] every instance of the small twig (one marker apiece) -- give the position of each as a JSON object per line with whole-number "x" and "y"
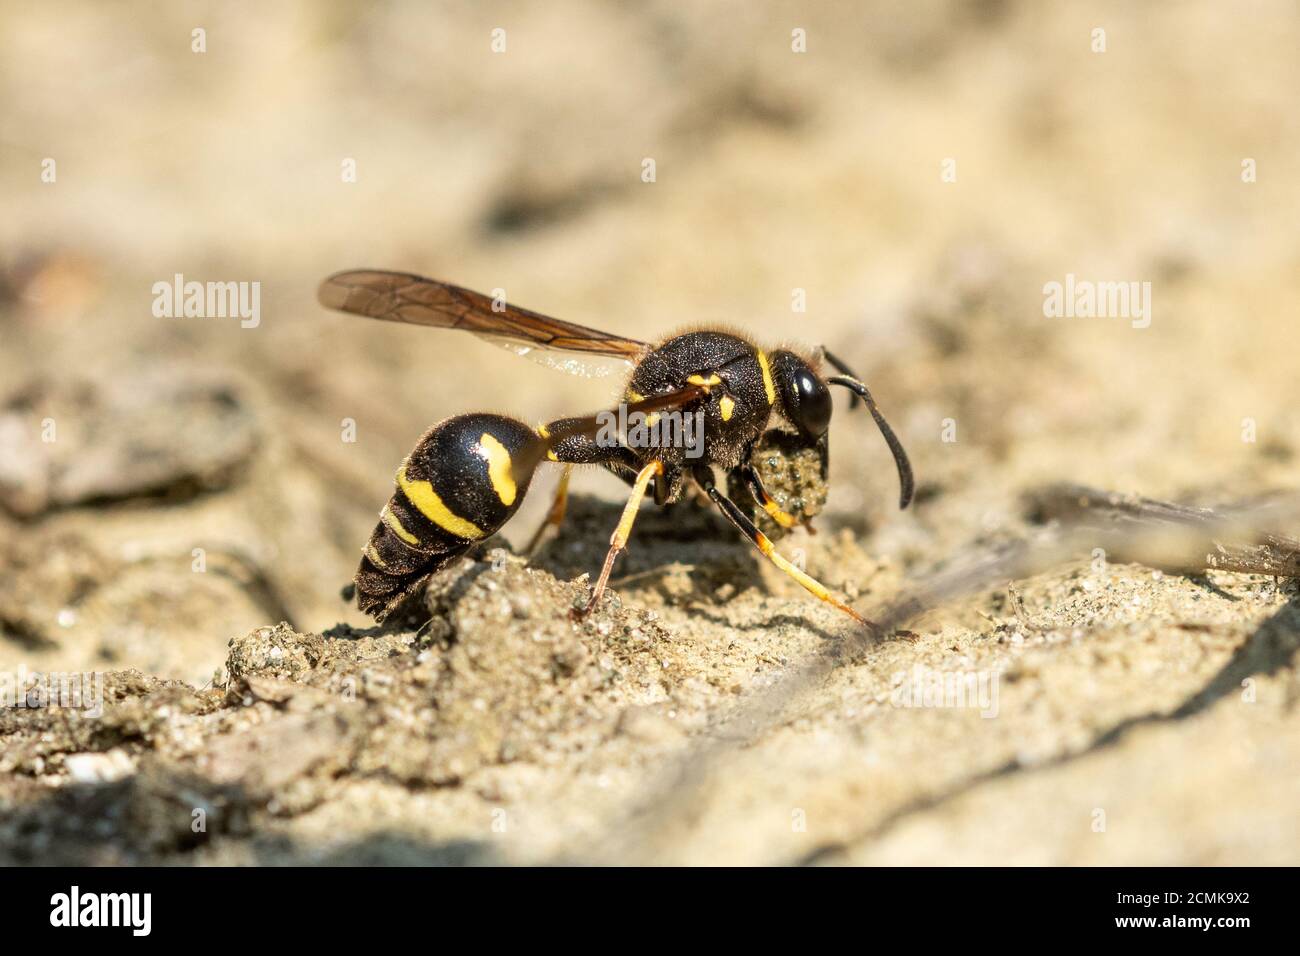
{"x": 1018, "y": 608}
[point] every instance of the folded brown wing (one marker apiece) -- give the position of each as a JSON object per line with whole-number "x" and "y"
{"x": 415, "y": 300}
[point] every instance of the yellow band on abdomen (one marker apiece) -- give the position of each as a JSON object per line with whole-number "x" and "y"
{"x": 427, "y": 502}
{"x": 395, "y": 526}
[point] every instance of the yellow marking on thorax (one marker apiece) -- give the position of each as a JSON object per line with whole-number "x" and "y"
{"x": 727, "y": 407}
{"x": 768, "y": 385}
{"x": 426, "y": 500}
{"x": 634, "y": 396}
{"x": 500, "y": 474}
{"x": 704, "y": 382}
{"x": 652, "y": 420}
{"x": 395, "y": 525}
{"x": 374, "y": 557}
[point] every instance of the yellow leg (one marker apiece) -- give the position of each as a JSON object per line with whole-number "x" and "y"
{"x": 554, "y": 517}
{"x": 618, "y": 540}
{"x": 814, "y": 586}
{"x": 760, "y": 494}
{"x": 768, "y": 550}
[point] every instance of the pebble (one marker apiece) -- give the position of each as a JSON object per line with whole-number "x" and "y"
{"x": 99, "y": 767}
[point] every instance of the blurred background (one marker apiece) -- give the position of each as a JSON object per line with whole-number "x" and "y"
{"x": 920, "y": 171}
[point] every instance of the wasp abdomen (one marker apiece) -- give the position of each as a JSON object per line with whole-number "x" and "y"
{"x": 459, "y": 485}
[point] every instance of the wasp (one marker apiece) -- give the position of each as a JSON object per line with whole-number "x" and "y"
{"x": 468, "y": 474}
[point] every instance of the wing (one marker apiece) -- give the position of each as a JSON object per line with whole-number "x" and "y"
{"x": 403, "y": 297}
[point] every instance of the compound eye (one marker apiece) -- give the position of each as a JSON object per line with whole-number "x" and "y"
{"x": 811, "y": 405}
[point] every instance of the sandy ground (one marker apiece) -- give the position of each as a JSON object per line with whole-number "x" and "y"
{"x": 172, "y": 490}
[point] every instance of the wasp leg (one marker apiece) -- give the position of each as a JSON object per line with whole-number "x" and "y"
{"x": 554, "y": 517}
{"x": 746, "y": 527}
{"x": 755, "y": 485}
{"x": 578, "y": 449}
{"x": 621, "y": 471}
{"x": 618, "y": 540}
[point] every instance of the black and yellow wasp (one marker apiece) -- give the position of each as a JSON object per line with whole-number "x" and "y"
{"x": 468, "y": 474}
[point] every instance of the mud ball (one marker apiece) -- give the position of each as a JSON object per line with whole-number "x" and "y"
{"x": 794, "y": 472}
